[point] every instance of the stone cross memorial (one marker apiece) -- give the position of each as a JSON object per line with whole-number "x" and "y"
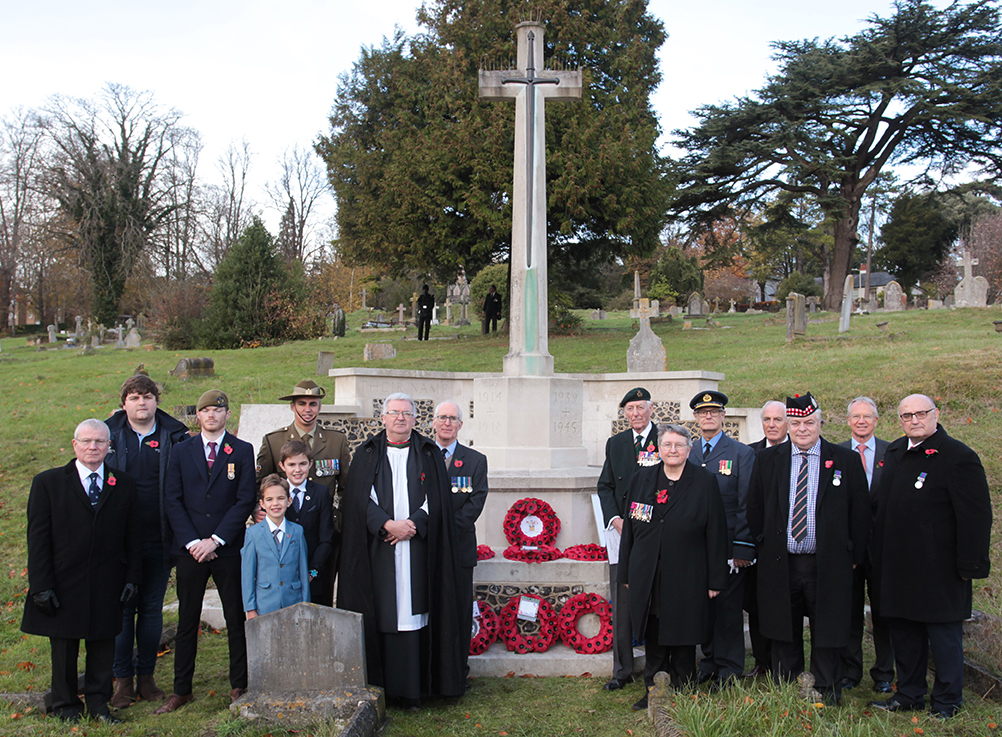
{"x": 972, "y": 291}
{"x": 528, "y": 347}
{"x": 647, "y": 351}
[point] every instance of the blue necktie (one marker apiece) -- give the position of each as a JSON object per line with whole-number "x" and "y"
{"x": 94, "y": 492}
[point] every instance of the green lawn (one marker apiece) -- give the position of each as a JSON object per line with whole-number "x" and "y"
{"x": 954, "y": 356}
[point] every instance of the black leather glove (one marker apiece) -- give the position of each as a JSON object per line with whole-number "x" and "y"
{"x": 128, "y": 592}
{"x": 46, "y": 602}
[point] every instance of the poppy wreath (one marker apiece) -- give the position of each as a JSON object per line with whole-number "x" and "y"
{"x": 567, "y": 624}
{"x": 515, "y": 640}
{"x": 541, "y": 554}
{"x": 527, "y": 515}
{"x": 487, "y": 633}
{"x": 591, "y": 551}
{"x": 484, "y": 552}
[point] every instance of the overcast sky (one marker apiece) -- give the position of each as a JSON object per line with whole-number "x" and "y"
{"x": 267, "y": 71}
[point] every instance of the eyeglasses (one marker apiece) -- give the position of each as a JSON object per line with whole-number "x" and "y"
{"x": 920, "y": 415}
{"x": 708, "y": 412}
{"x": 446, "y": 418}
{"x": 675, "y": 446}
{"x": 857, "y": 418}
{"x": 86, "y": 442}
{"x": 398, "y": 413}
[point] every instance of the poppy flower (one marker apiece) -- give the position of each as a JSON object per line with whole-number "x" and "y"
{"x": 829, "y": 464}
{"x": 111, "y": 479}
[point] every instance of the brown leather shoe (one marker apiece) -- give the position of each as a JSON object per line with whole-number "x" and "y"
{"x": 236, "y": 694}
{"x": 125, "y": 693}
{"x": 147, "y": 689}
{"x": 173, "y": 703}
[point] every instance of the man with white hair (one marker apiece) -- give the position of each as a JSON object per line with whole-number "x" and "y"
{"x": 467, "y": 473}
{"x": 775, "y": 427}
{"x": 399, "y": 564}
{"x": 810, "y": 514}
{"x": 84, "y": 563}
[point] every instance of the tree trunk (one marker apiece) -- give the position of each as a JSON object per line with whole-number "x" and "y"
{"x": 845, "y": 237}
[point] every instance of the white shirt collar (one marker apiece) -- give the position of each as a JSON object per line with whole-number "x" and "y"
{"x": 85, "y": 475}
{"x": 645, "y": 433}
{"x": 272, "y": 526}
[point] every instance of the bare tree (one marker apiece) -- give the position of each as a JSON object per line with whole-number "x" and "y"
{"x": 300, "y": 185}
{"x": 20, "y": 165}
{"x": 174, "y": 255}
{"x": 108, "y": 177}
{"x": 226, "y": 212}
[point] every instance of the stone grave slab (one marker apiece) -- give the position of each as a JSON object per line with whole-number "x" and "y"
{"x": 132, "y": 339}
{"x": 190, "y": 368}
{"x": 695, "y": 305}
{"x": 378, "y": 351}
{"x": 892, "y": 297}
{"x": 325, "y": 362}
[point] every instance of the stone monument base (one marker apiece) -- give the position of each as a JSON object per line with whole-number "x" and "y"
{"x": 559, "y": 660}
{"x": 305, "y": 707}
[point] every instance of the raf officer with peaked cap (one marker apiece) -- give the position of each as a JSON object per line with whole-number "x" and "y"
{"x": 328, "y": 453}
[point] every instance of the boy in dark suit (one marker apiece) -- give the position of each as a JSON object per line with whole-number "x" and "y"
{"x": 209, "y": 492}
{"x": 311, "y": 508}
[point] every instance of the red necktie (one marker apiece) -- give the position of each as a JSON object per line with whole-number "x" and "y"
{"x": 862, "y": 456}
{"x": 212, "y": 455}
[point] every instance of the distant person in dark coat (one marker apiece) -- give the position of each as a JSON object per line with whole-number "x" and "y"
{"x": 142, "y": 436}
{"x": 492, "y": 310}
{"x": 862, "y": 417}
{"x": 810, "y": 513}
{"x": 931, "y": 537}
{"x": 84, "y": 563}
{"x": 425, "y": 310}
{"x": 673, "y": 557}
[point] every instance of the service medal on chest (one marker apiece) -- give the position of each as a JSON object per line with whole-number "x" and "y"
{"x": 231, "y": 471}
{"x": 462, "y": 484}
{"x": 920, "y": 481}
{"x": 837, "y": 481}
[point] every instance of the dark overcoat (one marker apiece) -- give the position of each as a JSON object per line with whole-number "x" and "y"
{"x": 732, "y": 463}
{"x": 689, "y": 536}
{"x": 927, "y": 540}
{"x": 86, "y": 554}
{"x": 362, "y": 551}
{"x": 842, "y": 518}
{"x": 618, "y": 469}
{"x": 201, "y": 504}
{"x": 467, "y": 505}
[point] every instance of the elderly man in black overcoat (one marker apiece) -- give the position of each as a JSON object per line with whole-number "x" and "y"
{"x": 931, "y": 537}
{"x": 809, "y": 510}
{"x": 84, "y": 562}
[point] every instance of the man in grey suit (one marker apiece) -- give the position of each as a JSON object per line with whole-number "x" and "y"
{"x": 625, "y": 452}
{"x": 467, "y": 471}
{"x": 732, "y": 463}
{"x": 862, "y": 417}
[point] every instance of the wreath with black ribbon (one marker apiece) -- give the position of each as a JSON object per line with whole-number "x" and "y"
{"x": 531, "y": 526}
{"x": 567, "y": 624}
{"x": 485, "y": 629}
{"x": 515, "y": 641}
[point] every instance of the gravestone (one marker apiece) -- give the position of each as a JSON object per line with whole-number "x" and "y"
{"x": 731, "y": 308}
{"x": 95, "y": 341}
{"x": 972, "y": 290}
{"x": 646, "y": 351}
{"x": 434, "y": 315}
{"x": 655, "y": 308}
{"x": 796, "y": 315}
{"x": 129, "y": 324}
{"x": 119, "y": 336}
{"x": 706, "y": 307}
{"x": 448, "y": 312}
{"x": 132, "y": 340}
{"x": 400, "y": 314}
{"x": 339, "y": 321}
{"x": 52, "y": 334}
{"x": 325, "y": 362}
{"x": 892, "y": 297}
{"x": 306, "y": 664}
{"x": 695, "y": 305}
{"x": 79, "y": 330}
{"x": 687, "y": 324}
{"x": 414, "y": 299}
{"x": 598, "y": 315}
{"x": 190, "y": 368}
{"x": 364, "y": 294}
{"x": 948, "y": 303}
{"x": 102, "y": 330}
{"x": 847, "y": 290}
{"x": 636, "y": 291}
{"x": 674, "y": 311}
{"x": 812, "y": 304}
{"x": 378, "y": 351}
{"x": 934, "y": 304}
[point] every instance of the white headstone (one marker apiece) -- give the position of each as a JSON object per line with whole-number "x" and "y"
{"x": 132, "y": 340}
{"x": 695, "y": 305}
{"x": 52, "y": 334}
{"x": 847, "y": 294}
{"x": 892, "y": 297}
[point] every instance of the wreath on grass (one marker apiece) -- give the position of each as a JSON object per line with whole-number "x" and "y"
{"x": 515, "y": 640}
{"x": 567, "y": 624}
{"x": 484, "y": 552}
{"x": 591, "y": 551}
{"x": 485, "y": 629}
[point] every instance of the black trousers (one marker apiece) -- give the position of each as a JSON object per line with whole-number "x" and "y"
{"x": 423, "y": 326}
{"x": 191, "y": 580}
{"x": 788, "y": 657}
{"x": 760, "y": 644}
{"x": 678, "y": 661}
{"x": 852, "y": 654}
{"x": 724, "y": 654}
{"x": 100, "y": 655}
{"x": 622, "y": 632}
{"x": 401, "y": 658}
{"x": 912, "y": 642}
{"x": 490, "y": 324}
{"x": 464, "y": 587}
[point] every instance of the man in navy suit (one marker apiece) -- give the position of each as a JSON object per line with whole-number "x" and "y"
{"x": 625, "y": 452}
{"x": 732, "y": 463}
{"x": 809, "y": 511}
{"x": 862, "y": 417}
{"x": 467, "y": 471}
{"x": 208, "y": 495}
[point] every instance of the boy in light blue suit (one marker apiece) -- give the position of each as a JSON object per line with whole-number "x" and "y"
{"x": 274, "y": 571}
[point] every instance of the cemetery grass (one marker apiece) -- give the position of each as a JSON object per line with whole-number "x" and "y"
{"x": 953, "y": 356}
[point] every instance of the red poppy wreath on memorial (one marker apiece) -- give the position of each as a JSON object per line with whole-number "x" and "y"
{"x": 485, "y": 630}
{"x": 484, "y": 552}
{"x": 515, "y": 640}
{"x": 591, "y": 551}
{"x": 531, "y": 526}
{"x": 567, "y": 624}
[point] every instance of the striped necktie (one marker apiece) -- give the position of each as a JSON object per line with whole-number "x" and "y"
{"x": 798, "y": 525}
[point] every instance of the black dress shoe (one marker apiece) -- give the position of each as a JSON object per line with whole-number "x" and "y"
{"x": 892, "y": 704}
{"x": 757, "y": 672}
{"x": 705, "y": 676}
{"x": 883, "y": 687}
{"x": 641, "y": 705}
{"x": 848, "y": 684}
{"x": 614, "y": 684}
{"x": 107, "y": 719}
{"x": 944, "y": 713}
